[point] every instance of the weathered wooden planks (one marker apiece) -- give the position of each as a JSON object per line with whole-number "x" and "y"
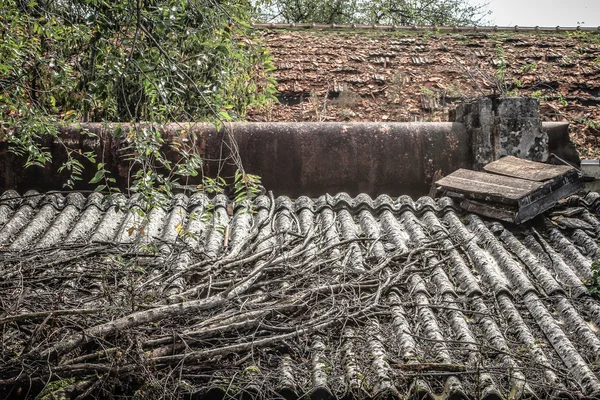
{"x": 506, "y": 192}
{"x": 488, "y": 187}
{"x": 525, "y": 169}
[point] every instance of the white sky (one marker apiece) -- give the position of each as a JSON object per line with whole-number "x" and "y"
{"x": 545, "y": 12}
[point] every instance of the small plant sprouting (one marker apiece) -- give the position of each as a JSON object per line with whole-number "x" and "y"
{"x": 562, "y": 100}
{"x": 102, "y": 176}
{"x": 593, "y": 284}
{"x": 529, "y": 68}
{"x": 500, "y": 75}
{"x": 538, "y": 94}
{"x": 592, "y": 124}
{"x": 245, "y": 186}
{"x": 426, "y": 91}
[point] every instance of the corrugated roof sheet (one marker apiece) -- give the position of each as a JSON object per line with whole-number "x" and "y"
{"x": 334, "y": 296}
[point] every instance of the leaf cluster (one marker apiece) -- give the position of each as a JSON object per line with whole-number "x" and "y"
{"x": 380, "y": 12}
{"x": 593, "y": 283}
{"x": 64, "y": 61}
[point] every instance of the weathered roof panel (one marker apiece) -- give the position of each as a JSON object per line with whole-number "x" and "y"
{"x": 334, "y": 296}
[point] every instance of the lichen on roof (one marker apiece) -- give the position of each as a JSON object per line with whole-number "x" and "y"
{"x": 328, "y": 297}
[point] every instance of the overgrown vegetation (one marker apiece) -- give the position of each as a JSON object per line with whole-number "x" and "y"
{"x": 135, "y": 61}
{"x": 417, "y": 12}
{"x": 593, "y": 283}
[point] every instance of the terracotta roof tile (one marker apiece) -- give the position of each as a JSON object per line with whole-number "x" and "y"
{"x": 366, "y": 75}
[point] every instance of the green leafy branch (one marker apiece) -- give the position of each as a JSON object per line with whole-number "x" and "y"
{"x": 593, "y": 284}
{"x": 139, "y": 62}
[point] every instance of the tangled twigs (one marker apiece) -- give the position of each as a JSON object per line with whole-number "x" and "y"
{"x": 105, "y": 313}
{"x": 429, "y": 367}
{"x": 43, "y": 314}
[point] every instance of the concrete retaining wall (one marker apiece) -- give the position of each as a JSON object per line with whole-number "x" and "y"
{"x": 314, "y": 158}
{"x": 292, "y": 158}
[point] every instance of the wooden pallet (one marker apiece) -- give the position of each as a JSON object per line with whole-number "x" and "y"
{"x": 511, "y": 189}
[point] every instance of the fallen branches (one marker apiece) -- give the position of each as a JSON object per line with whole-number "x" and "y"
{"x": 252, "y": 277}
{"x": 43, "y": 314}
{"x": 103, "y": 314}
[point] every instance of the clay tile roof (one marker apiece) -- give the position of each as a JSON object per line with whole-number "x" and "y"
{"x": 334, "y": 296}
{"x": 415, "y": 75}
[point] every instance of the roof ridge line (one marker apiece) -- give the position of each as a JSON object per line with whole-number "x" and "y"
{"x": 467, "y": 28}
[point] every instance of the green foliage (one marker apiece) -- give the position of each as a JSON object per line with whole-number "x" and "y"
{"x": 417, "y": 12}
{"x": 426, "y": 91}
{"x": 251, "y": 370}
{"x": 212, "y": 185}
{"x": 584, "y": 36}
{"x": 165, "y": 60}
{"x": 152, "y": 178}
{"x": 541, "y": 96}
{"x": 246, "y": 186}
{"x": 592, "y": 124}
{"x": 562, "y": 100}
{"x": 538, "y": 94}
{"x": 135, "y": 61}
{"x": 305, "y": 11}
{"x": 593, "y": 283}
{"x": 500, "y": 75}
{"x": 528, "y": 67}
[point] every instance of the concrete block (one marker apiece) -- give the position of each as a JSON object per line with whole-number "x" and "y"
{"x": 503, "y": 126}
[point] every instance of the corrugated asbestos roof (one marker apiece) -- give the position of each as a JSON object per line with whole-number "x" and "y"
{"x": 396, "y": 297}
